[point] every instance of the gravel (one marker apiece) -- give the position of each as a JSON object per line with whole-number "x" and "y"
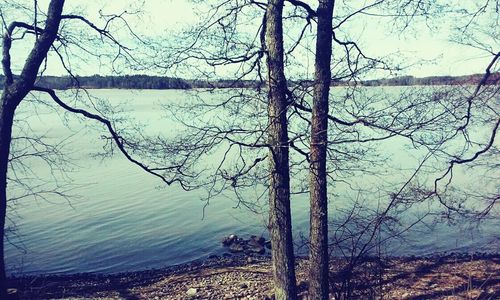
{"x": 456, "y": 276}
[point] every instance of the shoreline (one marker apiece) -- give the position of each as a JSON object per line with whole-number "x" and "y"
{"x": 458, "y": 275}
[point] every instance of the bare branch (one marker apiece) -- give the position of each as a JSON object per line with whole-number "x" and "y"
{"x": 119, "y": 141}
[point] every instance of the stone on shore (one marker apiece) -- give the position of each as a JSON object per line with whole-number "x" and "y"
{"x": 259, "y": 249}
{"x": 254, "y": 245}
{"x": 191, "y": 292}
{"x": 236, "y": 248}
{"x": 228, "y": 240}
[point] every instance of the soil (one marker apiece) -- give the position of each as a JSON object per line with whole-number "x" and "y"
{"x": 455, "y": 276}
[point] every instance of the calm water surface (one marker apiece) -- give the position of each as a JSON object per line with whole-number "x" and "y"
{"x": 122, "y": 219}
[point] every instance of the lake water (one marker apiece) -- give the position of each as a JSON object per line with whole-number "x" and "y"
{"x": 122, "y": 219}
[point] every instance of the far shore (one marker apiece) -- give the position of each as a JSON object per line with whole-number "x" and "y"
{"x": 142, "y": 81}
{"x": 451, "y": 276}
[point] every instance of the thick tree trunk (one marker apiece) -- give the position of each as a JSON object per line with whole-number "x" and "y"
{"x": 6, "y": 120}
{"x": 279, "y": 186}
{"x": 14, "y": 92}
{"x": 318, "y": 259}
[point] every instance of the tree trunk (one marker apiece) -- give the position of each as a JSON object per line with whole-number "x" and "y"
{"x": 280, "y": 225}
{"x": 6, "y": 120}
{"x": 318, "y": 256}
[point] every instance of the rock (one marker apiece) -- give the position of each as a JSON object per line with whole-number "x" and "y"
{"x": 259, "y": 249}
{"x": 244, "y": 285}
{"x": 255, "y": 245}
{"x": 256, "y": 241}
{"x": 227, "y": 255}
{"x": 228, "y": 240}
{"x": 12, "y": 294}
{"x": 191, "y": 292}
{"x": 236, "y": 247}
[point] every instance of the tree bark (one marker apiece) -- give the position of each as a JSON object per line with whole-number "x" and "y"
{"x": 318, "y": 255}
{"x": 14, "y": 92}
{"x": 280, "y": 225}
{"x": 6, "y": 120}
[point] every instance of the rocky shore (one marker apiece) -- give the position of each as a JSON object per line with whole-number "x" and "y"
{"x": 454, "y": 276}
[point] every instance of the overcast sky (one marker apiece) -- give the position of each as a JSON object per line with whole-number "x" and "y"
{"x": 442, "y": 57}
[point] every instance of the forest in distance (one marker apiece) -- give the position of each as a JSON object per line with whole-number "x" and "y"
{"x": 166, "y": 83}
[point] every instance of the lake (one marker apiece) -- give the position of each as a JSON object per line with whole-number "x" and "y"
{"x": 119, "y": 218}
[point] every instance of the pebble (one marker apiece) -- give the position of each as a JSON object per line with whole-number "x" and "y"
{"x": 191, "y": 292}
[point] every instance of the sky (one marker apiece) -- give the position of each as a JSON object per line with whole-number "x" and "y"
{"x": 429, "y": 45}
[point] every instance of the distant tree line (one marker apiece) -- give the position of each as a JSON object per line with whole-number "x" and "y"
{"x": 115, "y": 82}
{"x": 165, "y": 83}
{"x": 474, "y": 79}
{"x": 134, "y": 82}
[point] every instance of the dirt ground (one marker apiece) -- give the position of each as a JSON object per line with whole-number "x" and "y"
{"x": 457, "y": 276}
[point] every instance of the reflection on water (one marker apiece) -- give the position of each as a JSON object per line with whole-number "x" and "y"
{"x": 123, "y": 221}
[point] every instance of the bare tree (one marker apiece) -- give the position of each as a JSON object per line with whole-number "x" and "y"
{"x": 280, "y": 218}
{"x": 53, "y": 38}
{"x": 318, "y": 274}
{"x": 13, "y": 93}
